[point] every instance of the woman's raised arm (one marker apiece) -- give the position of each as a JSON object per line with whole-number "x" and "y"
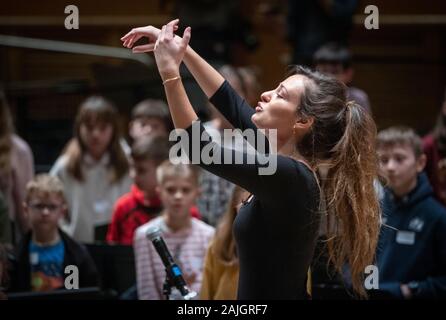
{"x": 168, "y": 56}
{"x": 207, "y": 77}
{"x": 228, "y": 102}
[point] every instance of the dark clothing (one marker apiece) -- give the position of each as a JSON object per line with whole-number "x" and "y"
{"x": 416, "y": 250}
{"x": 276, "y": 231}
{"x": 75, "y": 254}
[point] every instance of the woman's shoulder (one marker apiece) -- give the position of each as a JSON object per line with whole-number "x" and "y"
{"x": 294, "y": 175}
{"x": 292, "y": 167}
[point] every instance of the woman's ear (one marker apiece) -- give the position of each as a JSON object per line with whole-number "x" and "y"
{"x": 303, "y": 124}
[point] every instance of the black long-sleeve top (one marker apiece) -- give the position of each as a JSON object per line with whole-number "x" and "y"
{"x": 276, "y": 230}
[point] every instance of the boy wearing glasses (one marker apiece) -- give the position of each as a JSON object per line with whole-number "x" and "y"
{"x": 46, "y": 251}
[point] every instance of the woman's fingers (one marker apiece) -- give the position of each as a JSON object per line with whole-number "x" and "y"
{"x": 132, "y": 33}
{"x": 186, "y": 37}
{"x": 156, "y": 44}
{"x": 128, "y": 41}
{"x": 153, "y": 34}
{"x": 127, "y": 35}
{"x": 148, "y": 31}
{"x": 169, "y": 31}
{"x": 174, "y": 22}
{"x": 130, "y": 38}
{"x": 131, "y": 41}
{"x": 144, "y": 48}
{"x": 162, "y": 34}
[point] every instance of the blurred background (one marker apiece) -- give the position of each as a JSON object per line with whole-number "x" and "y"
{"x": 401, "y": 66}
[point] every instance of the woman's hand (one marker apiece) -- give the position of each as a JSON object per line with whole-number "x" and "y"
{"x": 169, "y": 52}
{"x": 149, "y": 32}
{"x": 174, "y": 45}
{"x": 207, "y": 77}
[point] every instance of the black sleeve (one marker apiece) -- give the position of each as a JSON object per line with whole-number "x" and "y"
{"x": 235, "y": 109}
{"x": 252, "y": 172}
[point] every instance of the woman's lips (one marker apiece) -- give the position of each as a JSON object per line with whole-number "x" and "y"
{"x": 259, "y": 108}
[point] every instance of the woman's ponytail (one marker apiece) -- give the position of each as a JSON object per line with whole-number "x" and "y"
{"x": 352, "y": 204}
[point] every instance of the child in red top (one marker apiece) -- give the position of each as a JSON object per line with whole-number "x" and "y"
{"x": 142, "y": 203}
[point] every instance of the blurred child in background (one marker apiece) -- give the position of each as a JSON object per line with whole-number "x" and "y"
{"x": 46, "y": 250}
{"x": 150, "y": 118}
{"x": 94, "y": 170}
{"x": 187, "y": 238}
{"x": 336, "y": 60}
{"x": 411, "y": 254}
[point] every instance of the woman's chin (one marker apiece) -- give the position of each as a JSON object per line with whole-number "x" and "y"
{"x": 255, "y": 119}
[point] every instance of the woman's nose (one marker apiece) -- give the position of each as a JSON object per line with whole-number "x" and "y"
{"x": 266, "y": 96}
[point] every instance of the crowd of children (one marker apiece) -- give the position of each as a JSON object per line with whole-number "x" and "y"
{"x": 103, "y": 189}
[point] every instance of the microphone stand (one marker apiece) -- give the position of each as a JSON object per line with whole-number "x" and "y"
{"x": 168, "y": 285}
{"x": 174, "y": 276}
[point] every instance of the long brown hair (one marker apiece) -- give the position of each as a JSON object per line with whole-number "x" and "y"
{"x": 97, "y": 109}
{"x": 343, "y": 138}
{"x": 224, "y": 242}
{"x": 6, "y": 130}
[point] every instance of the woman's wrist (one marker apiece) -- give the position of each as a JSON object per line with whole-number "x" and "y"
{"x": 171, "y": 80}
{"x": 169, "y": 74}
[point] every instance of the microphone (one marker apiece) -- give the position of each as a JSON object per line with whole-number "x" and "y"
{"x": 173, "y": 271}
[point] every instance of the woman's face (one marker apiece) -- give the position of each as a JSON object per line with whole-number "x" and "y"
{"x": 278, "y": 108}
{"x": 96, "y": 137}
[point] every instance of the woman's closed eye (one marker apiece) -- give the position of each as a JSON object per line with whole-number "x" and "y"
{"x": 279, "y": 94}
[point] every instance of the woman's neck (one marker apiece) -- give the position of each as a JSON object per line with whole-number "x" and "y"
{"x": 45, "y": 238}
{"x": 288, "y": 149}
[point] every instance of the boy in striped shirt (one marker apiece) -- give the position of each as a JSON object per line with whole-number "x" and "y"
{"x": 187, "y": 238}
